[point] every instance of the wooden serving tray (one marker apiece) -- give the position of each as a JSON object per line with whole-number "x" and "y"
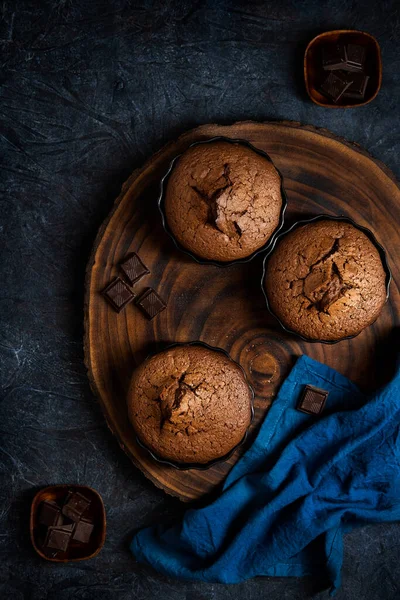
{"x": 225, "y": 306}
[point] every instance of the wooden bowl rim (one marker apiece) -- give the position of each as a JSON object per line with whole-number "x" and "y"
{"x": 211, "y": 463}
{"x": 161, "y": 203}
{"x": 34, "y": 510}
{"x": 342, "y": 32}
{"x": 323, "y": 217}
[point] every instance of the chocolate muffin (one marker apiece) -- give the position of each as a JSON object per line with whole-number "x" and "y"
{"x": 223, "y": 201}
{"x": 325, "y": 280}
{"x": 189, "y": 404}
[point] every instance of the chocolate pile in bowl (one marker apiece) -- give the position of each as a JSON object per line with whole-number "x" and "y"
{"x": 64, "y": 524}
{"x": 344, "y": 66}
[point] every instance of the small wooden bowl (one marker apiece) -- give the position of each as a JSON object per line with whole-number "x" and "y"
{"x": 314, "y": 74}
{"x": 76, "y": 551}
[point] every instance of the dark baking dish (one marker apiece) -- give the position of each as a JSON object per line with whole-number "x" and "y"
{"x": 161, "y": 204}
{"x": 368, "y": 233}
{"x": 200, "y": 466}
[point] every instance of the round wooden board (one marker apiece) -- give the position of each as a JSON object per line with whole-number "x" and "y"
{"x": 224, "y": 306}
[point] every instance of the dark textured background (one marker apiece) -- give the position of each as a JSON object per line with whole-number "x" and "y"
{"x": 88, "y": 91}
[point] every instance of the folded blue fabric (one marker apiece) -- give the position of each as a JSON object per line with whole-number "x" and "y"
{"x": 304, "y": 481}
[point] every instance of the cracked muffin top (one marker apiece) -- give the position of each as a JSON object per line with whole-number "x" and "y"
{"x": 189, "y": 404}
{"x": 223, "y": 201}
{"x": 326, "y": 281}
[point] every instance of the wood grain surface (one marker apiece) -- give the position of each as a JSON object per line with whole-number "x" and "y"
{"x": 225, "y": 306}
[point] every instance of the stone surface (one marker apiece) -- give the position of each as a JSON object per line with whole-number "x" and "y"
{"x": 88, "y": 91}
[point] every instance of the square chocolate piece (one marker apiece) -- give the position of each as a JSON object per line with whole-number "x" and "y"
{"x": 312, "y": 400}
{"x": 335, "y": 85}
{"x": 355, "y": 57}
{"x": 333, "y": 57}
{"x": 151, "y": 303}
{"x": 58, "y": 538}
{"x": 83, "y": 531}
{"x": 50, "y": 514}
{"x": 133, "y": 268}
{"x": 75, "y": 505}
{"x": 358, "y": 87}
{"x": 118, "y": 294}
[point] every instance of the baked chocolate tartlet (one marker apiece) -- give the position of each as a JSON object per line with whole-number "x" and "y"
{"x": 190, "y": 404}
{"x": 325, "y": 280}
{"x": 223, "y": 201}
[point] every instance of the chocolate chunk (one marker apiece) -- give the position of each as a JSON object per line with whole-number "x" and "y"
{"x": 49, "y": 513}
{"x": 358, "y": 87}
{"x": 133, "y": 268}
{"x": 118, "y": 294}
{"x": 333, "y": 57}
{"x": 335, "y": 85}
{"x": 312, "y": 400}
{"x": 83, "y": 531}
{"x": 355, "y": 57}
{"x": 151, "y": 303}
{"x": 335, "y": 291}
{"x": 58, "y": 538}
{"x": 75, "y": 506}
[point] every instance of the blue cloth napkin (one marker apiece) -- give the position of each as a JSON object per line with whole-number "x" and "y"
{"x": 304, "y": 482}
